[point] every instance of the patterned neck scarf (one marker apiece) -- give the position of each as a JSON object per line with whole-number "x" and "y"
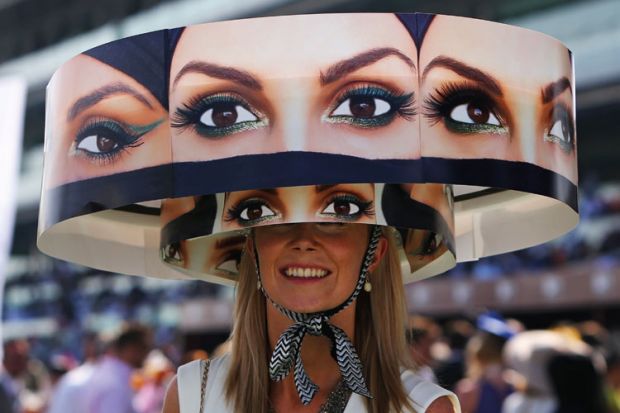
{"x": 287, "y": 354}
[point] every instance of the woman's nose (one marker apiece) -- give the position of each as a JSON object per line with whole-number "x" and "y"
{"x": 303, "y": 237}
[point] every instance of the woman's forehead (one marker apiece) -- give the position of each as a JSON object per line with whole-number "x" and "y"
{"x": 522, "y": 58}
{"x": 297, "y": 45}
{"x": 83, "y": 76}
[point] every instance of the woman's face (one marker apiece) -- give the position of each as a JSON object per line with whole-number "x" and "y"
{"x": 489, "y": 93}
{"x": 311, "y": 266}
{"x": 104, "y": 122}
{"x": 347, "y": 203}
{"x": 330, "y": 83}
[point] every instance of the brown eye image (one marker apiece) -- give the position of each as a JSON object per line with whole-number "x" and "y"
{"x": 351, "y": 203}
{"x": 492, "y": 92}
{"x": 356, "y": 97}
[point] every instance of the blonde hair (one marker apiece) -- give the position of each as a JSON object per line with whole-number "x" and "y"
{"x": 380, "y": 319}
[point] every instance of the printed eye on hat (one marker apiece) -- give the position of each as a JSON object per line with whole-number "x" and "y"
{"x": 164, "y": 149}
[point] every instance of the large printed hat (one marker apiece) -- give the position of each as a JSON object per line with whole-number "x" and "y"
{"x": 164, "y": 149}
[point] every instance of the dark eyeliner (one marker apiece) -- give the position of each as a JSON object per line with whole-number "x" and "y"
{"x": 124, "y": 136}
{"x": 400, "y": 105}
{"x": 233, "y": 214}
{"x": 562, "y": 113}
{"x": 189, "y": 114}
{"x": 438, "y": 106}
{"x": 366, "y": 208}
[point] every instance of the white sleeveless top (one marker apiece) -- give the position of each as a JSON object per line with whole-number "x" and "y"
{"x": 189, "y": 377}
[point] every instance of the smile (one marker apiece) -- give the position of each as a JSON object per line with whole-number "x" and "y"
{"x": 305, "y": 272}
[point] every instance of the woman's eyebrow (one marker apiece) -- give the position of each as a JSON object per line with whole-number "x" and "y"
{"x": 103, "y": 92}
{"x": 350, "y": 65}
{"x": 554, "y": 89}
{"x": 219, "y": 72}
{"x": 464, "y": 70}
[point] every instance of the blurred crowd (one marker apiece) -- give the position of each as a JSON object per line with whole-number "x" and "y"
{"x": 596, "y": 239}
{"x": 492, "y": 364}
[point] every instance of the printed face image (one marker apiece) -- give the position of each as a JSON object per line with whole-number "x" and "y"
{"x": 342, "y": 84}
{"x": 436, "y": 196}
{"x": 101, "y": 122}
{"x": 422, "y": 247}
{"x": 495, "y": 92}
{"x": 345, "y": 203}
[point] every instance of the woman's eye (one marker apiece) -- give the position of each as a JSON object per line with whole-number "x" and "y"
{"x": 255, "y": 212}
{"x": 371, "y": 106}
{"x": 432, "y": 243}
{"x": 217, "y": 115}
{"x": 362, "y": 107}
{"x": 341, "y": 207}
{"x": 464, "y": 109}
{"x": 250, "y": 212}
{"x": 348, "y": 207}
{"x": 104, "y": 139}
{"x": 561, "y": 131}
{"x": 474, "y": 113}
{"x": 172, "y": 253}
{"x": 97, "y": 144}
{"x": 223, "y": 115}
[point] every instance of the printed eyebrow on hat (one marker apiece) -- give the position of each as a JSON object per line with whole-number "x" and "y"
{"x": 344, "y": 67}
{"x": 554, "y": 89}
{"x": 102, "y": 93}
{"x": 466, "y": 71}
{"x": 232, "y": 74}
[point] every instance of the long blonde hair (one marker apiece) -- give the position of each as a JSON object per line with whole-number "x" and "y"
{"x": 380, "y": 319}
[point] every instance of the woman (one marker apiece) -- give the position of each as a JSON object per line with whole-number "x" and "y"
{"x": 331, "y": 253}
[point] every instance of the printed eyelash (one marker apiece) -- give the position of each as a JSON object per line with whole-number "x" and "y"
{"x": 119, "y": 132}
{"x": 190, "y": 112}
{"x": 403, "y": 104}
{"x": 439, "y": 104}
{"x": 366, "y": 207}
{"x": 234, "y": 212}
{"x": 562, "y": 113}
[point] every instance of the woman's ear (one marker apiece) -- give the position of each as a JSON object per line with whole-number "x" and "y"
{"x": 382, "y": 247}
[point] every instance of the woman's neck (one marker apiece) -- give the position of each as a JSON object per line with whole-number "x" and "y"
{"x": 316, "y": 356}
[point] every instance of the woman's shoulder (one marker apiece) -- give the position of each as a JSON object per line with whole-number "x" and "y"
{"x": 427, "y": 396}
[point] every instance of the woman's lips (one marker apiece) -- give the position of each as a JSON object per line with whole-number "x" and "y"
{"x": 304, "y": 272}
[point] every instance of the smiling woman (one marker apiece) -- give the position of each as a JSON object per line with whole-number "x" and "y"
{"x": 356, "y": 97}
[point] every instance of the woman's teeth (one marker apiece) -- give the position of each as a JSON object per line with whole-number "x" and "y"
{"x": 305, "y": 272}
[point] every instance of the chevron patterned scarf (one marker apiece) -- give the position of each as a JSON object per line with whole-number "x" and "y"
{"x": 287, "y": 355}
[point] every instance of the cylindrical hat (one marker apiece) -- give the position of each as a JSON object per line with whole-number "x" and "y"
{"x": 163, "y": 150}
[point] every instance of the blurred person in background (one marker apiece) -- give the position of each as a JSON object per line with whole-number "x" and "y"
{"x": 527, "y": 356}
{"x": 68, "y": 397}
{"x": 451, "y": 369}
{"x": 24, "y": 381}
{"x": 421, "y": 336}
{"x": 577, "y": 384}
{"x": 109, "y": 387}
{"x": 151, "y": 383}
{"x": 485, "y": 388}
